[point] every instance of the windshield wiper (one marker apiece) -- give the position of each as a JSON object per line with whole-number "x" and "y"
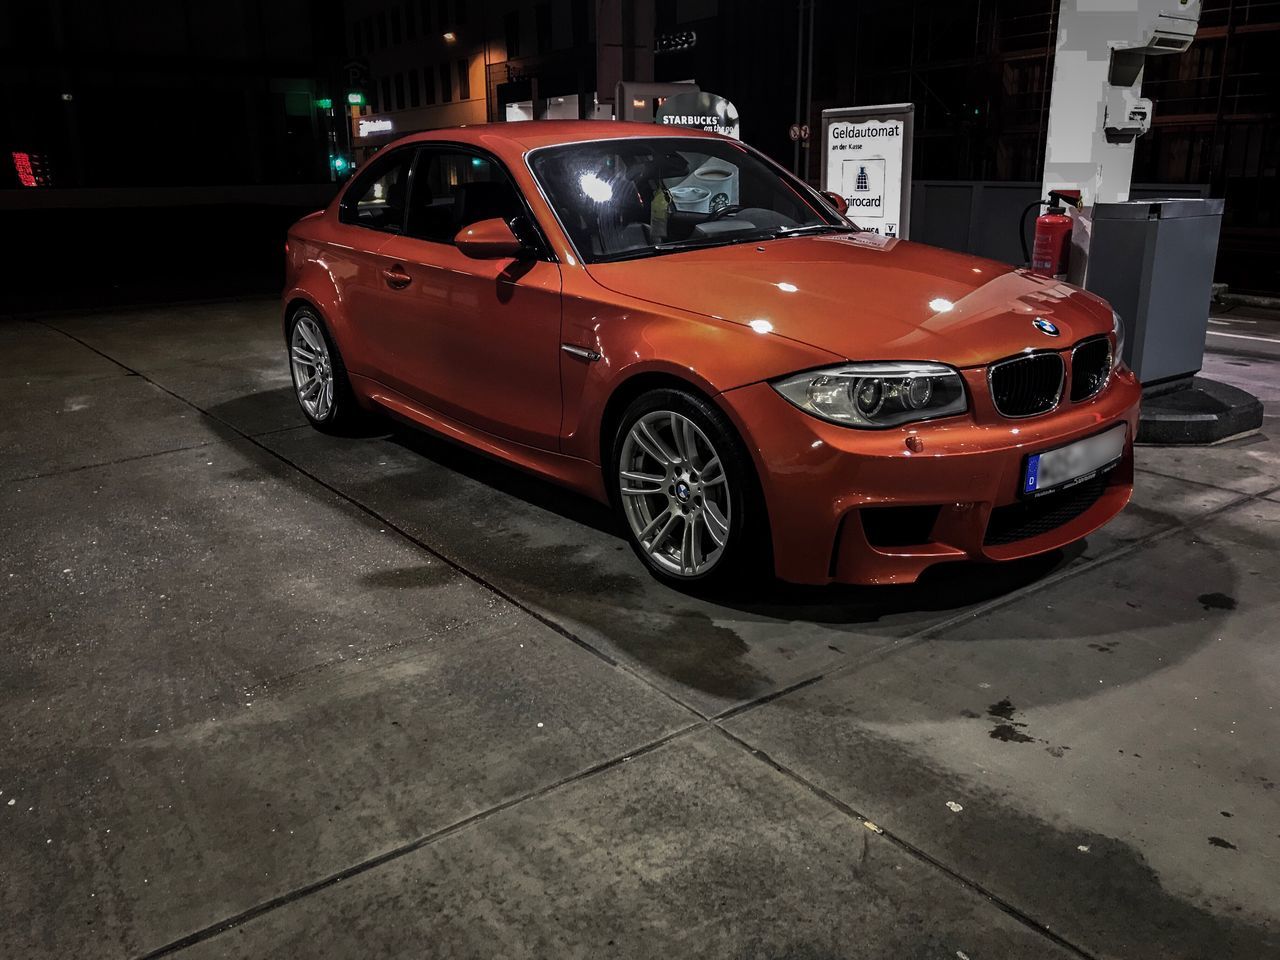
{"x": 728, "y": 239}
{"x": 698, "y": 242}
{"x": 814, "y": 228}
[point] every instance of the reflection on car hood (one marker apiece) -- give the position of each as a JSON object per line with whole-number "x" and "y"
{"x": 867, "y": 299}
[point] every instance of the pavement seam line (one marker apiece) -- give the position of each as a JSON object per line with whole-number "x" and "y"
{"x": 277, "y": 430}
{"x": 911, "y": 849}
{"x": 374, "y": 658}
{"x": 112, "y": 463}
{"x": 476, "y": 578}
{"x": 1198, "y": 483}
{"x": 388, "y": 856}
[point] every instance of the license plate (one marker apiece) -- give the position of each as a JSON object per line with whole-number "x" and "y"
{"x": 1076, "y": 462}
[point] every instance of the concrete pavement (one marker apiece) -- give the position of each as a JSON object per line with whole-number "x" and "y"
{"x": 268, "y": 692}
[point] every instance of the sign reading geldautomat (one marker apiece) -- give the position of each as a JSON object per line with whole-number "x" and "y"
{"x": 866, "y": 158}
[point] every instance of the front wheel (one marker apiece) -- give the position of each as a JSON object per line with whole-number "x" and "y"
{"x": 319, "y": 376}
{"x": 686, "y": 491}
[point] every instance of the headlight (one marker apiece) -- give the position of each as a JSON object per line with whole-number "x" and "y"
{"x": 877, "y": 394}
{"x": 1117, "y": 331}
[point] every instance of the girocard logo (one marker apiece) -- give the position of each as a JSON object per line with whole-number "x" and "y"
{"x": 862, "y": 185}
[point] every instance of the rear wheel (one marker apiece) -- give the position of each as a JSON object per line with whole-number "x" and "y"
{"x": 685, "y": 490}
{"x": 320, "y": 379}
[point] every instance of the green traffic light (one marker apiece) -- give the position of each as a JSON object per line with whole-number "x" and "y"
{"x": 355, "y": 99}
{"x": 324, "y": 103}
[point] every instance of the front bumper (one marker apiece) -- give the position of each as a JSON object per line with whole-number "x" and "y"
{"x": 823, "y": 483}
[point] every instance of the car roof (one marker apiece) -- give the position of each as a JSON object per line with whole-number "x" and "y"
{"x": 527, "y": 135}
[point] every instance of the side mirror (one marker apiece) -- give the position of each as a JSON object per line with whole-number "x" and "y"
{"x": 836, "y": 201}
{"x": 489, "y": 240}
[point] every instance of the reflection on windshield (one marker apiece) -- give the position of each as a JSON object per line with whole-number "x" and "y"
{"x": 639, "y": 197}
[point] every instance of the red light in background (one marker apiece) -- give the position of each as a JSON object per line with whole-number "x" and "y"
{"x": 22, "y": 164}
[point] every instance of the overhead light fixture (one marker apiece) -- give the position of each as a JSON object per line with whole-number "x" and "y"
{"x": 450, "y": 36}
{"x": 595, "y": 188}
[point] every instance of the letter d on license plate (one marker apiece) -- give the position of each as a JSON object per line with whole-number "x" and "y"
{"x": 1076, "y": 461}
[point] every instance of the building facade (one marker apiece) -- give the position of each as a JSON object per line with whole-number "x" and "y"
{"x": 424, "y": 64}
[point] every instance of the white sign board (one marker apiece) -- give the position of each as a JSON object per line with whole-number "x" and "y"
{"x": 370, "y": 126}
{"x": 866, "y": 159}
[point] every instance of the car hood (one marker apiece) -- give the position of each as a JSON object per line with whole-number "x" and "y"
{"x": 866, "y": 298}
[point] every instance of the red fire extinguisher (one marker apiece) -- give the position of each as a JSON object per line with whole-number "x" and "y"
{"x": 1052, "y": 247}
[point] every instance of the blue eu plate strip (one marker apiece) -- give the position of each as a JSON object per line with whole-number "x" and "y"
{"x": 1033, "y": 469}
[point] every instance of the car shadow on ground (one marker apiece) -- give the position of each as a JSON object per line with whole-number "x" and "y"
{"x": 565, "y": 555}
{"x": 945, "y": 587}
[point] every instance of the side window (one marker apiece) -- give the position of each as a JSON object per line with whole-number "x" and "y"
{"x": 377, "y": 198}
{"x": 454, "y": 189}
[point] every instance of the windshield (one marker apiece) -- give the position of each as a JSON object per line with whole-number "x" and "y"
{"x": 627, "y": 198}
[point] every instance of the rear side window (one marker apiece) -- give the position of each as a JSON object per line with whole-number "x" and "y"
{"x": 453, "y": 189}
{"x": 378, "y": 197}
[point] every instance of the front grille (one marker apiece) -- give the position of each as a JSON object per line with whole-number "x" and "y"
{"x": 1022, "y": 521}
{"x": 1027, "y": 385}
{"x": 1090, "y": 367}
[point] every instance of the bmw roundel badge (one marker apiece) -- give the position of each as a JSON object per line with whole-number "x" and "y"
{"x": 1045, "y": 327}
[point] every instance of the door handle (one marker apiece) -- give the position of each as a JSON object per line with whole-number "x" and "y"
{"x": 396, "y": 278}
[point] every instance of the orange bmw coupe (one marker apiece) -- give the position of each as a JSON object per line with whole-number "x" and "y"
{"x": 673, "y": 324}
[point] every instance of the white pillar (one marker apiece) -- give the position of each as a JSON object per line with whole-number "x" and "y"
{"x": 1096, "y": 109}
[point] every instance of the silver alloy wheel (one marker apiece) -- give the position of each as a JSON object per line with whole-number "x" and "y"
{"x": 675, "y": 493}
{"x": 312, "y": 368}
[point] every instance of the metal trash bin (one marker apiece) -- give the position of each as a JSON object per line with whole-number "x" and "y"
{"x": 1153, "y": 260}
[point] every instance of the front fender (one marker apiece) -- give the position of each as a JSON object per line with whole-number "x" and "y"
{"x": 633, "y": 339}
{"x": 310, "y": 280}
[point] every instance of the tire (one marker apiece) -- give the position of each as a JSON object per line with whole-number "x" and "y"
{"x": 315, "y": 364}
{"x": 689, "y": 522}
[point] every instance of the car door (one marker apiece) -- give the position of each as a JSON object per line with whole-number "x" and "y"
{"x": 477, "y": 340}
{"x": 372, "y": 211}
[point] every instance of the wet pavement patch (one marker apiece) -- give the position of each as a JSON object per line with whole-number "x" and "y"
{"x": 1216, "y": 601}
{"x": 1008, "y": 733}
{"x": 1004, "y": 709}
{"x": 1111, "y": 903}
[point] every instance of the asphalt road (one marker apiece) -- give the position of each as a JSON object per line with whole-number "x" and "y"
{"x": 270, "y": 693}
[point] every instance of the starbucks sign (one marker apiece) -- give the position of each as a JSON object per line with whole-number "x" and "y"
{"x": 702, "y": 111}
